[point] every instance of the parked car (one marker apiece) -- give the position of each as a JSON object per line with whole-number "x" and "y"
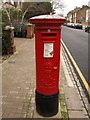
{"x": 77, "y": 25}
{"x": 74, "y": 25}
{"x": 87, "y": 29}
{"x": 69, "y": 24}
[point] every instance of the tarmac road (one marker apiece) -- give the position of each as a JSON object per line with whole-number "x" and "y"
{"x": 77, "y": 43}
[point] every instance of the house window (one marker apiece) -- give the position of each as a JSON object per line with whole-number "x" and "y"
{"x": 75, "y": 14}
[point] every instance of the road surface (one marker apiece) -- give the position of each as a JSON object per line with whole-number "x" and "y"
{"x": 77, "y": 43}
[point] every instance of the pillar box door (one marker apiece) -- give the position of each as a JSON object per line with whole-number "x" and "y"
{"x": 47, "y": 45}
{"x": 47, "y": 63}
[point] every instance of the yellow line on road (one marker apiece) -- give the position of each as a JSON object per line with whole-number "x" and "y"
{"x": 77, "y": 68}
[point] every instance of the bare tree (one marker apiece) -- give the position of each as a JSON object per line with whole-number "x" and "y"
{"x": 57, "y": 4}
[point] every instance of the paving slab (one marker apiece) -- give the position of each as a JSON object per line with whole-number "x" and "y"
{"x": 72, "y": 97}
{"x": 19, "y": 83}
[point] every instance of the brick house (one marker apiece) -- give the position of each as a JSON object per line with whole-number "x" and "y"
{"x": 81, "y": 14}
{"x": 74, "y": 14}
{"x": 69, "y": 16}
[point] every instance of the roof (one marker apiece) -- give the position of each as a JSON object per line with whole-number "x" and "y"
{"x": 70, "y": 12}
{"x": 76, "y": 9}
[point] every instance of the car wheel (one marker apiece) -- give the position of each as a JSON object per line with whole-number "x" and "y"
{"x": 85, "y": 30}
{"x": 89, "y": 31}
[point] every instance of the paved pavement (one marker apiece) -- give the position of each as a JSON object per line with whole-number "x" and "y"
{"x": 18, "y": 86}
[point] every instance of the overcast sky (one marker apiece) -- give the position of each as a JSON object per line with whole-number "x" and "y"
{"x": 71, "y": 4}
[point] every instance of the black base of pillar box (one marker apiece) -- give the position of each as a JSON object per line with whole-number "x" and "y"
{"x": 47, "y": 105}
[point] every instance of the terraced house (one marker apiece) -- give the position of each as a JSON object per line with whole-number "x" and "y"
{"x": 80, "y": 15}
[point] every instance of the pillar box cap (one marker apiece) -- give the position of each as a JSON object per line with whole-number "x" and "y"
{"x": 47, "y": 19}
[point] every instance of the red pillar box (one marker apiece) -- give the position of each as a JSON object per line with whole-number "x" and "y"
{"x": 47, "y": 43}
